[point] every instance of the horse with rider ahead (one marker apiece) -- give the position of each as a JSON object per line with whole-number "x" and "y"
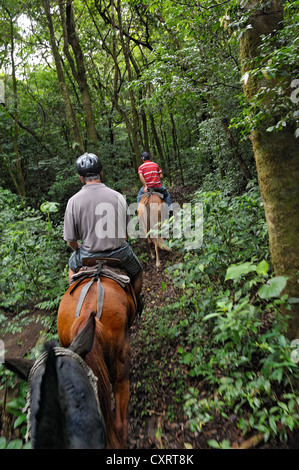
{"x": 154, "y": 205}
{"x": 150, "y": 175}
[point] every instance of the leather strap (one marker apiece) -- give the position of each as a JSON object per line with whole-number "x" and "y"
{"x": 85, "y": 289}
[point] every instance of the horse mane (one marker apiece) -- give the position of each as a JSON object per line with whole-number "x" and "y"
{"x": 95, "y": 360}
{"x": 50, "y": 415}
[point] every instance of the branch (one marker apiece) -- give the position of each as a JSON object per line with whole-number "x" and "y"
{"x": 108, "y": 20}
{"x": 37, "y": 138}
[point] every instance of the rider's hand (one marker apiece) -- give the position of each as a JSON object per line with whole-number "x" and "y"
{"x": 145, "y": 189}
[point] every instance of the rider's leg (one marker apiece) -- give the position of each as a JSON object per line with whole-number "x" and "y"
{"x": 140, "y": 194}
{"x": 71, "y": 273}
{"x": 134, "y": 270}
{"x": 168, "y": 199}
{"x": 137, "y": 286}
{"x": 137, "y": 283}
{"x": 74, "y": 263}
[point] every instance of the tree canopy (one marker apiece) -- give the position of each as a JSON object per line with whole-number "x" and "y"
{"x": 117, "y": 78}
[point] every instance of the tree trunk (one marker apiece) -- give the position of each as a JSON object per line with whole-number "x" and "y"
{"x": 130, "y": 128}
{"x": 176, "y": 150}
{"x": 165, "y": 148}
{"x": 18, "y": 179}
{"x": 79, "y": 72}
{"x": 146, "y": 146}
{"x": 158, "y": 143}
{"x": 71, "y": 115}
{"x": 231, "y": 141}
{"x": 276, "y": 156}
{"x": 233, "y": 146}
{"x": 135, "y": 121}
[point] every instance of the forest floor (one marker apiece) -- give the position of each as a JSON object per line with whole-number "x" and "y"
{"x": 149, "y": 427}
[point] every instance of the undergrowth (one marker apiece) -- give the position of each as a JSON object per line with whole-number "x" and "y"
{"x": 33, "y": 255}
{"x": 226, "y": 331}
{"x": 33, "y": 260}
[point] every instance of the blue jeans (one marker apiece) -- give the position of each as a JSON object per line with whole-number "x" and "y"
{"x": 125, "y": 254}
{"x": 167, "y": 197}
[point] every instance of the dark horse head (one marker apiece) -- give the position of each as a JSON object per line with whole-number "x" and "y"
{"x": 64, "y": 412}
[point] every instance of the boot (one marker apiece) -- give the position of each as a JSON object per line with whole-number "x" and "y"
{"x": 140, "y": 304}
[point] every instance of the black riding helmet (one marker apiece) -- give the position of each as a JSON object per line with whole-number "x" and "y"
{"x": 88, "y": 165}
{"x": 145, "y": 156}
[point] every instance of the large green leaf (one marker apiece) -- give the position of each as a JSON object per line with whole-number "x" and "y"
{"x": 262, "y": 268}
{"x": 49, "y": 207}
{"x": 237, "y": 270}
{"x": 273, "y": 287}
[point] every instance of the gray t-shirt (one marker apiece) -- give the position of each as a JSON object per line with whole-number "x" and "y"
{"x": 98, "y": 216}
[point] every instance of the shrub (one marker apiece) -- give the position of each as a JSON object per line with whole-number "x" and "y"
{"x": 33, "y": 256}
{"x": 226, "y": 329}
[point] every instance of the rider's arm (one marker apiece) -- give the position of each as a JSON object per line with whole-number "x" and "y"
{"x": 143, "y": 181}
{"x": 74, "y": 245}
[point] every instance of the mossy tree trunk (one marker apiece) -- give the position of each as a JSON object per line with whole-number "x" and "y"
{"x": 277, "y": 158}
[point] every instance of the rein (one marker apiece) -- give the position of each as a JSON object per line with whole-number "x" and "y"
{"x": 60, "y": 352}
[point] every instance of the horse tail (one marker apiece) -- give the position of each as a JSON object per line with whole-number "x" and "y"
{"x": 160, "y": 241}
{"x": 95, "y": 358}
{"x": 143, "y": 212}
{"x": 96, "y": 361}
{"x": 162, "y": 244}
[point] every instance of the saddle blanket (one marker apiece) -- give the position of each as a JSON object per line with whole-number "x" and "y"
{"x": 113, "y": 273}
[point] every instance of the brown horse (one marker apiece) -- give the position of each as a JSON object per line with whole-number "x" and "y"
{"x": 151, "y": 211}
{"x": 111, "y": 342}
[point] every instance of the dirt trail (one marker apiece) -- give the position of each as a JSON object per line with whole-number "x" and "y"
{"x": 148, "y": 426}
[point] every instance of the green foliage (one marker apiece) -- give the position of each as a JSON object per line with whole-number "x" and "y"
{"x": 184, "y": 76}
{"x": 13, "y": 444}
{"x": 273, "y": 288}
{"x": 184, "y": 82}
{"x": 227, "y": 326}
{"x": 15, "y": 408}
{"x": 185, "y": 79}
{"x": 276, "y": 69}
{"x": 33, "y": 256}
{"x": 222, "y": 445}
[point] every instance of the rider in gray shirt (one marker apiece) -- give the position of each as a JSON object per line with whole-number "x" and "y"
{"x": 98, "y": 217}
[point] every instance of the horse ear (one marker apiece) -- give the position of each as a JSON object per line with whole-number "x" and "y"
{"x": 19, "y": 366}
{"x": 82, "y": 344}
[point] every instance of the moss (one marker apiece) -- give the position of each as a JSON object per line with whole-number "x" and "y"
{"x": 277, "y": 162}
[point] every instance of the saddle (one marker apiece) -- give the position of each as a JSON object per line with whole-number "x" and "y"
{"x": 95, "y": 268}
{"x": 153, "y": 191}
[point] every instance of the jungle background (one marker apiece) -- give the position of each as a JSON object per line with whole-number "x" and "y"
{"x": 210, "y": 88}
